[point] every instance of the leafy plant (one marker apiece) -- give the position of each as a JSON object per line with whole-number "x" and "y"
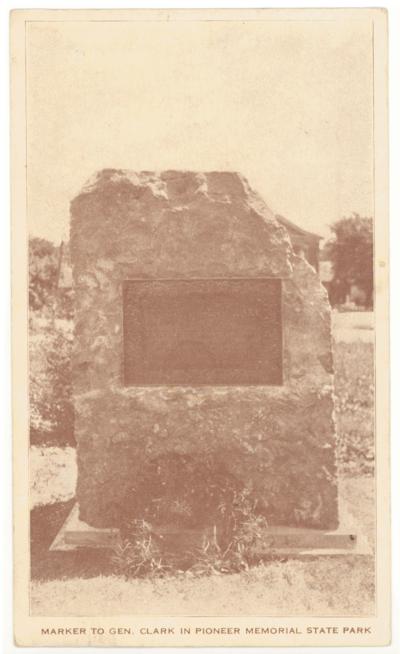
{"x": 234, "y": 549}
{"x": 213, "y": 559}
{"x": 138, "y": 555}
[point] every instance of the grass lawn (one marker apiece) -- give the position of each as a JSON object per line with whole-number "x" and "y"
{"x": 353, "y": 325}
{"x": 322, "y": 586}
{"x": 53, "y": 474}
{"x": 64, "y": 583}
{"x": 354, "y": 407}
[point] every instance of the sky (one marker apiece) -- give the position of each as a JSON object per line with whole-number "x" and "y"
{"x": 286, "y": 103}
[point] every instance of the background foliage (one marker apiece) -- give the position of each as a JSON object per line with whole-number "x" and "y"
{"x": 50, "y": 344}
{"x": 351, "y": 253}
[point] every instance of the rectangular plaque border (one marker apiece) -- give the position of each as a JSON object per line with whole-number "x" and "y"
{"x": 127, "y": 280}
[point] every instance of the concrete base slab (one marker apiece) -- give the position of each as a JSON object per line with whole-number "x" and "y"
{"x": 75, "y": 533}
{"x": 279, "y": 541}
{"x": 292, "y": 537}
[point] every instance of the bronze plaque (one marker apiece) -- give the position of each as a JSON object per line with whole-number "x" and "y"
{"x": 216, "y": 332}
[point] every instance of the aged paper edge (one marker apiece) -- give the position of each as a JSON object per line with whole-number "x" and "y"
{"x": 27, "y": 629}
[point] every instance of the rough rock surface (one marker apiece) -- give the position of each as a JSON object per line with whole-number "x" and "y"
{"x": 174, "y": 455}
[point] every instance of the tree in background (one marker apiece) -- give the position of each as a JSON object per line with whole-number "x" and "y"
{"x": 50, "y": 344}
{"x": 351, "y": 253}
{"x": 43, "y": 268}
{"x": 45, "y": 295}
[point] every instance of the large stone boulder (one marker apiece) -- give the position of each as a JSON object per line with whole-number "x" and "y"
{"x": 176, "y": 454}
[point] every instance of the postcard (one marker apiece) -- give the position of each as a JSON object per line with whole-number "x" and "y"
{"x": 200, "y": 327}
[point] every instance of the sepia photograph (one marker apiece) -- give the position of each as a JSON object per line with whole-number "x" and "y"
{"x": 201, "y": 453}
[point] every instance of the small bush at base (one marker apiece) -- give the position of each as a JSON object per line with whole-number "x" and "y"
{"x": 140, "y": 554}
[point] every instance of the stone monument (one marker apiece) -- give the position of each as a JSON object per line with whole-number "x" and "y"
{"x": 202, "y": 363}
